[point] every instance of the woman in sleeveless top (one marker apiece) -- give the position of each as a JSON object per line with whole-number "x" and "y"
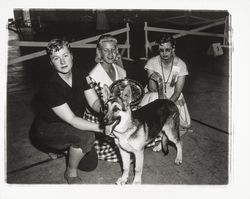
{"x": 107, "y": 70}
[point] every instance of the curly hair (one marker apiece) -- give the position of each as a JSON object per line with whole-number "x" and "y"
{"x": 165, "y": 38}
{"x": 56, "y": 44}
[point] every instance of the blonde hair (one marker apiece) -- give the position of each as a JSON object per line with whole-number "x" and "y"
{"x": 101, "y": 40}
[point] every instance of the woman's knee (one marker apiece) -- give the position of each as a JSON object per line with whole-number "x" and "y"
{"x": 85, "y": 141}
{"x": 91, "y": 137}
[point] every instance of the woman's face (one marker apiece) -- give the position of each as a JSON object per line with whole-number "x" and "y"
{"x": 62, "y": 60}
{"x": 108, "y": 52}
{"x": 166, "y": 51}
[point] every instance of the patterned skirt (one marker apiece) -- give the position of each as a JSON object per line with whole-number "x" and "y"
{"x": 105, "y": 146}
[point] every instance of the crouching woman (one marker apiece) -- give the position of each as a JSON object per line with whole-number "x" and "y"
{"x": 62, "y": 101}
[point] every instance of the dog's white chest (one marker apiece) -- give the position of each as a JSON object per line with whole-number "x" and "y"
{"x": 126, "y": 146}
{"x": 131, "y": 140}
{"x": 130, "y": 145}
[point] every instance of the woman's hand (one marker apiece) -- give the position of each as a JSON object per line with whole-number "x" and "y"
{"x": 156, "y": 77}
{"x": 178, "y": 88}
{"x": 153, "y": 80}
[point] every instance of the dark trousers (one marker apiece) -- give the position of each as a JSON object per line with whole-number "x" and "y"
{"x": 59, "y": 136}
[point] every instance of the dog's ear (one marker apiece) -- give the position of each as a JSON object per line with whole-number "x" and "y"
{"x": 105, "y": 93}
{"x": 127, "y": 94}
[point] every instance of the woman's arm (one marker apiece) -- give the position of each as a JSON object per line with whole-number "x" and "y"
{"x": 178, "y": 88}
{"x": 152, "y": 84}
{"x": 65, "y": 113}
{"x": 93, "y": 99}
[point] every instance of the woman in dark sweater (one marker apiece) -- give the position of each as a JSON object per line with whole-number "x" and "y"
{"x": 62, "y": 101}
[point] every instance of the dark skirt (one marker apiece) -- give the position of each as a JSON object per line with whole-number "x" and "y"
{"x": 59, "y": 136}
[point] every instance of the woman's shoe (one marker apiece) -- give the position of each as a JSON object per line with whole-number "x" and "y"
{"x": 157, "y": 147}
{"x": 72, "y": 180}
{"x": 54, "y": 156}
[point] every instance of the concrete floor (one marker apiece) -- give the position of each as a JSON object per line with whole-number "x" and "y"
{"x": 206, "y": 150}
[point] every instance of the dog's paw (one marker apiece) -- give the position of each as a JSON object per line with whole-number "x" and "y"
{"x": 157, "y": 148}
{"x": 136, "y": 182}
{"x": 121, "y": 181}
{"x": 178, "y": 161}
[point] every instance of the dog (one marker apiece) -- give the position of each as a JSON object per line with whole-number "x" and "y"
{"x": 133, "y": 130}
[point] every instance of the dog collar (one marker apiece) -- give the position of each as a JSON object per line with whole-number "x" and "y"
{"x": 132, "y": 128}
{"x": 117, "y": 132}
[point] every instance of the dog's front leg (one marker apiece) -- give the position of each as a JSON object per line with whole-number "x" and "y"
{"x": 125, "y": 166}
{"x": 139, "y": 158}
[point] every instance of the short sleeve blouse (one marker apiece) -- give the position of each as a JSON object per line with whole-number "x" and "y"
{"x": 179, "y": 66}
{"x": 56, "y": 92}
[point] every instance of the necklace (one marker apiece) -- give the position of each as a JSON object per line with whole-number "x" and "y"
{"x": 163, "y": 76}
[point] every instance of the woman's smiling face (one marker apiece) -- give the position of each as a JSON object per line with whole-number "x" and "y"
{"x": 108, "y": 52}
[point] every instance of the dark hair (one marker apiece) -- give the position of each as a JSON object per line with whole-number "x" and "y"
{"x": 55, "y": 45}
{"x": 165, "y": 38}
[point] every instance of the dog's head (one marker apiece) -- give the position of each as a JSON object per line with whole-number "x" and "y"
{"x": 115, "y": 107}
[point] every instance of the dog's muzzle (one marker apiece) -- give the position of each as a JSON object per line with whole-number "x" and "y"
{"x": 111, "y": 126}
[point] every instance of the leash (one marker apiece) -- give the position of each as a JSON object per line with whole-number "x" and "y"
{"x": 210, "y": 126}
{"x": 33, "y": 165}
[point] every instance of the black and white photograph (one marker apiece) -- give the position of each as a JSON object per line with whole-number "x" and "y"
{"x": 119, "y": 97}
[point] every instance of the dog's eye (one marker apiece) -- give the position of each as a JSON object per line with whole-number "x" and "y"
{"x": 116, "y": 108}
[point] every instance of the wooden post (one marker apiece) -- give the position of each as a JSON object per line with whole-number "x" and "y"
{"x": 126, "y": 46}
{"x": 225, "y": 39}
{"x": 127, "y": 42}
{"x": 146, "y": 39}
